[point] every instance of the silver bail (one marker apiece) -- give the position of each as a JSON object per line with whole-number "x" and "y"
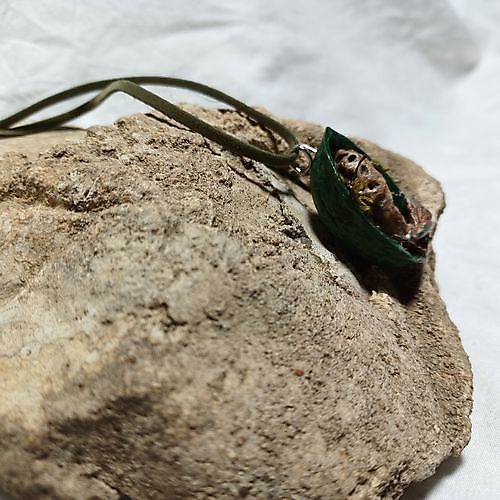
{"x": 310, "y": 153}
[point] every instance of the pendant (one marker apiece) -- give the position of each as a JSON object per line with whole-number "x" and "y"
{"x": 356, "y": 198}
{"x": 363, "y": 207}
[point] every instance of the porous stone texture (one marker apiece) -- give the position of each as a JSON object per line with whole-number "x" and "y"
{"x": 176, "y": 323}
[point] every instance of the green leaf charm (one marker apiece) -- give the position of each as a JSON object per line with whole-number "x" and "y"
{"x": 348, "y": 216}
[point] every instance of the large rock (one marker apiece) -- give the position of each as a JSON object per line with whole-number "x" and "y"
{"x": 175, "y": 324}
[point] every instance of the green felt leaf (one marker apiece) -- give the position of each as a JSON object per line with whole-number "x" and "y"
{"x": 340, "y": 212}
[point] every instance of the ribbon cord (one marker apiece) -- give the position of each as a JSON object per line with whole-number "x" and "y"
{"x": 132, "y": 87}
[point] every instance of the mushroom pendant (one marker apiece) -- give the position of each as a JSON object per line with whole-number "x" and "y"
{"x": 363, "y": 207}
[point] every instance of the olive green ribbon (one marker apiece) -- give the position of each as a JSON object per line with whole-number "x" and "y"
{"x": 132, "y": 87}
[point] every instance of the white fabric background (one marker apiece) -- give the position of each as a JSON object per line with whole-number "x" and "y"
{"x": 420, "y": 77}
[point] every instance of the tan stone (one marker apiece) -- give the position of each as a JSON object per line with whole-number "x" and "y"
{"x": 174, "y": 324}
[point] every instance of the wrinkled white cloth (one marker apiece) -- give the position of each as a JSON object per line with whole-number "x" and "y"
{"x": 420, "y": 77}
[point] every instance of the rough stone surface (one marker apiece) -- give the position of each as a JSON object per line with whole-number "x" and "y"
{"x": 175, "y": 324}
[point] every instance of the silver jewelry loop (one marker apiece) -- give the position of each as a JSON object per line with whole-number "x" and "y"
{"x": 310, "y": 153}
